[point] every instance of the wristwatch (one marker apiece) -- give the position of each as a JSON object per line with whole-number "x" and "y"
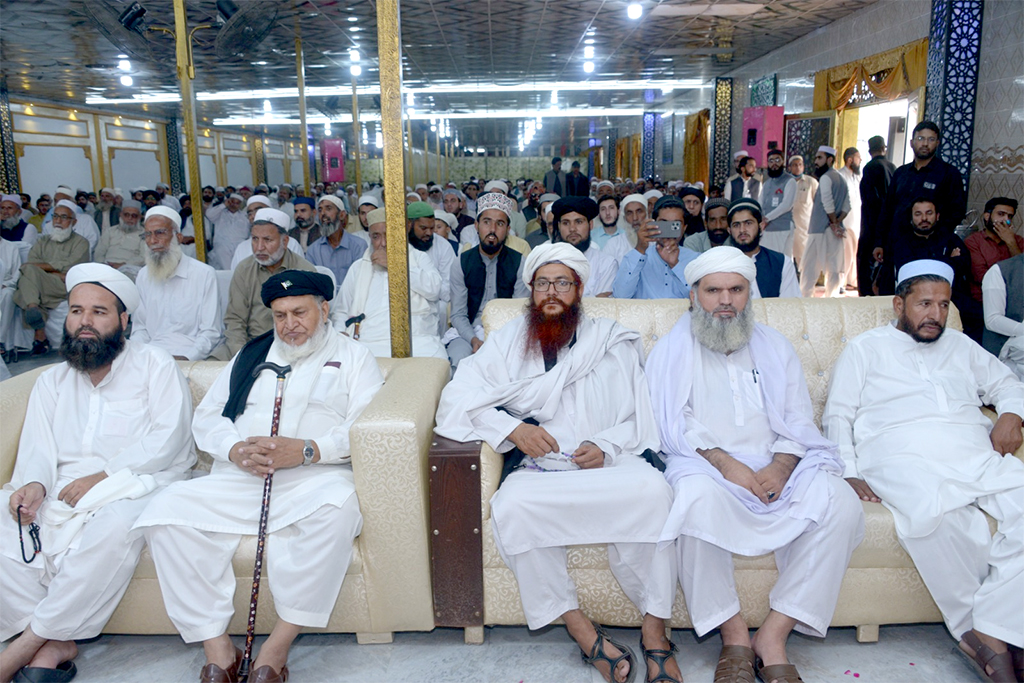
{"x": 307, "y": 452}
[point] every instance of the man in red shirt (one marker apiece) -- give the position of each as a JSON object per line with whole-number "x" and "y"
{"x": 996, "y": 242}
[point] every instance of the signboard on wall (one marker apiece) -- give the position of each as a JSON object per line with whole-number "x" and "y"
{"x": 333, "y": 151}
{"x": 806, "y": 132}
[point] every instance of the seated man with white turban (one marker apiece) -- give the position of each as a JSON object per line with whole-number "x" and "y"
{"x": 364, "y": 307}
{"x": 905, "y": 408}
{"x": 655, "y": 267}
{"x": 365, "y": 204}
{"x": 752, "y": 474}
{"x": 244, "y": 249}
{"x": 121, "y": 245}
{"x": 179, "y": 306}
{"x": 41, "y": 285}
{"x": 564, "y": 397}
{"x": 103, "y": 431}
{"x": 572, "y": 217}
{"x": 194, "y": 527}
{"x": 230, "y": 227}
{"x": 490, "y": 270}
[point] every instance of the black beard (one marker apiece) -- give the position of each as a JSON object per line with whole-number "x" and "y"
{"x": 694, "y": 224}
{"x": 718, "y": 237}
{"x": 820, "y": 170}
{"x": 490, "y": 249}
{"x": 86, "y": 355}
{"x": 610, "y": 225}
{"x": 422, "y": 245}
{"x": 747, "y": 248}
{"x": 924, "y": 234}
{"x": 903, "y": 325}
{"x": 855, "y": 168}
{"x": 922, "y": 157}
{"x": 556, "y": 236}
{"x": 303, "y": 223}
{"x": 774, "y": 174}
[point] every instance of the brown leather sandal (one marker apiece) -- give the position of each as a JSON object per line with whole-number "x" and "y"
{"x": 779, "y": 673}
{"x": 984, "y": 656}
{"x": 735, "y": 665}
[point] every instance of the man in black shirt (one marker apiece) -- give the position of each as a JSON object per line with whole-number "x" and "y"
{"x": 874, "y": 185}
{"x": 926, "y": 176}
{"x": 577, "y": 184}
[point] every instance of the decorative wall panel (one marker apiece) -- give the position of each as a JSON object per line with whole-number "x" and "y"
{"x": 175, "y": 158}
{"x": 647, "y": 155}
{"x": 764, "y": 91}
{"x": 721, "y": 137}
{"x": 613, "y": 140}
{"x": 9, "y": 162}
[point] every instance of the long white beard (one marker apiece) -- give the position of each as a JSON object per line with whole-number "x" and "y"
{"x": 161, "y": 265}
{"x": 273, "y": 258}
{"x": 722, "y": 335}
{"x": 61, "y": 234}
{"x": 104, "y": 206}
{"x": 11, "y": 223}
{"x": 314, "y": 343}
{"x": 126, "y": 228}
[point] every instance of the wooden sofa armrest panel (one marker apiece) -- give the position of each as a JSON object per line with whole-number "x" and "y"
{"x": 393, "y": 494}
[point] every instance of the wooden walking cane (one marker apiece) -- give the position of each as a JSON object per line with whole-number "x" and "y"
{"x": 257, "y": 571}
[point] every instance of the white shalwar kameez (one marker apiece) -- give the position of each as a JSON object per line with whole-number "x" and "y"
{"x": 603, "y": 269}
{"x": 442, "y": 256}
{"x": 907, "y": 418}
{"x": 229, "y": 230}
{"x": 596, "y": 392}
{"x": 753, "y": 404}
{"x": 194, "y": 527}
{"x": 134, "y": 426}
{"x": 13, "y": 334}
{"x": 365, "y": 291}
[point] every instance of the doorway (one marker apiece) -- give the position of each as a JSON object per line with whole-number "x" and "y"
{"x": 888, "y": 119}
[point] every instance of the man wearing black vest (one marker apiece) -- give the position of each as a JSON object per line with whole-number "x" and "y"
{"x": 746, "y": 184}
{"x": 488, "y": 271}
{"x": 776, "y": 276}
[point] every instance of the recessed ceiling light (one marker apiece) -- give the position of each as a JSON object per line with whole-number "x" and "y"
{"x": 588, "y": 67}
{"x": 353, "y": 18}
{"x": 353, "y": 55}
{"x": 589, "y": 41}
{"x": 588, "y": 51}
{"x": 634, "y": 11}
{"x": 355, "y": 29}
{"x": 258, "y": 63}
{"x": 126, "y": 80}
{"x": 124, "y": 65}
{"x": 122, "y": 56}
{"x": 356, "y": 70}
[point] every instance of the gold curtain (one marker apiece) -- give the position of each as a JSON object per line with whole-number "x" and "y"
{"x": 636, "y": 153}
{"x": 909, "y": 63}
{"x": 696, "y": 148}
{"x": 622, "y": 158}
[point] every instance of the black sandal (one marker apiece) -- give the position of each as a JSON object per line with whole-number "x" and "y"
{"x": 659, "y": 657}
{"x": 40, "y": 347}
{"x": 597, "y": 655}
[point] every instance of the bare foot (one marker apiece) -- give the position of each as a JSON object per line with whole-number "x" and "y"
{"x": 220, "y": 651}
{"x": 19, "y": 653}
{"x": 54, "y": 653}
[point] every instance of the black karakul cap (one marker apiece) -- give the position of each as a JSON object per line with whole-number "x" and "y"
{"x": 296, "y": 283}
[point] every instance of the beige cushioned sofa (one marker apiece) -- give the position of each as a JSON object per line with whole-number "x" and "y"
{"x": 881, "y": 585}
{"x": 387, "y": 587}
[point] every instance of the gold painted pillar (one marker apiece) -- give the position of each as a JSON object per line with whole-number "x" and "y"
{"x": 188, "y": 117}
{"x": 389, "y": 55}
{"x": 437, "y": 151}
{"x": 412, "y": 155}
{"x": 358, "y": 136}
{"x": 426, "y": 156}
{"x": 300, "y": 69}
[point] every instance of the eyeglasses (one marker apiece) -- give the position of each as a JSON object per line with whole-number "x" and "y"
{"x": 155, "y": 234}
{"x": 543, "y": 284}
{"x": 61, "y": 217}
{"x": 921, "y": 138}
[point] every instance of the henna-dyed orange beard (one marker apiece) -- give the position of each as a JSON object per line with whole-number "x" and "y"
{"x": 551, "y": 332}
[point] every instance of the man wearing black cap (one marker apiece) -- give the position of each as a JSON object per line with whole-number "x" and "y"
{"x": 693, "y": 201}
{"x": 194, "y": 527}
{"x": 874, "y": 185}
{"x": 572, "y": 217}
{"x": 307, "y": 227}
{"x": 554, "y": 180}
{"x": 576, "y": 184}
{"x": 776, "y": 276}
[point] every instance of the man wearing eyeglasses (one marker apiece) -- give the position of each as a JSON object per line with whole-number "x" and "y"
{"x": 926, "y": 177}
{"x": 120, "y": 245}
{"x": 41, "y": 285}
{"x": 564, "y": 397}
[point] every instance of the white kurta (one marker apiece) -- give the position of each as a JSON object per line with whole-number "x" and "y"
{"x": 10, "y": 271}
{"x": 365, "y": 291}
{"x": 907, "y": 418}
{"x": 596, "y": 392}
{"x": 852, "y": 225}
{"x": 324, "y": 395}
{"x": 993, "y": 298}
{"x": 134, "y": 427}
{"x": 603, "y": 269}
{"x": 752, "y": 404}
{"x": 182, "y": 313}
{"x": 229, "y": 230}
{"x": 442, "y": 256}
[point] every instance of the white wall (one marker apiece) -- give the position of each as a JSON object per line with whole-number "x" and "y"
{"x": 239, "y": 171}
{"x": 42, "y": 169}
{"x": 132, "y": 168}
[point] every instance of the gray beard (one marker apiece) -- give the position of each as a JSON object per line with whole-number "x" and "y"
{"x": 11, "y": 223}
{"x": 161, "y": 265}
{"x": 722, "y": 335}
{"x": 273, "y": 258}
{"x": 104, "y": 206}
{"x": 316, "y": 341}
{"x": 328, "y": 229}
{"x": 126, "y": 227}
{"x": 61, "y": 234}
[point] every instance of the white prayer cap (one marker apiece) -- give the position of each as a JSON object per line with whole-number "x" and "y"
{"x": 70, "y": 204}
{"x": 131, "y": 204}
{"x": 413, "y": 195}
{"x": 699, "y": 184}
{"x": 559, "y": 252}
{"x": 630, "y": 198}
{"x": 376, "y": 216}
{"x": 107, "y": 189}
{"x": 448, "y": 218}
{"x": 11, "y": 198}
{"x": 160, "y": 210}
{"x": 140, "y": 188}
{"x": 827, "y": 150}
{"x": 653, "y": 193}
{"x": 163, "y": 185}
{"x": 419, "y": 185}
{"x": 331, "y": 199}
{"x": 257, "y": 199}
{"x": 496, "y": 185}
{"x": 925, "y": 267}
{"x": 606, "y": 182}
{"x": 722, "y": 259}
{"x": 235, "y": 195}
{"x": 275, "y": 216}
{"x": 219, "y": 188}
{"x": 739, "y": 155}
{"x": 120, "y": 193}
{"x": 64, "y": 189}
{"x": 114, "y": 281}
{"x": 369, "y": 199}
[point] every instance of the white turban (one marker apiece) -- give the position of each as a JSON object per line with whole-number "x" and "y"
{"x": 496, "y": 185}
{"x": 64, "y": 189}
{"x": 369, "y": 199}
{"x": 166, "y": 211}
{"x": 235, "y": 195}
{"x": 11, "y": 198}
{"x": 559, "y": 252}
{"x": 331, "y": 199}
{"x": 722, "y": 259}
{"x": 106, "y": 277}
{"x": 448, "y": 218}
{"x": 630, "y": 198}
{"x": 657, "y": 194}
{"x": 419, "y": 185}
{"x": 107, "y": 189}
{"x": 739, "y": 155}
{"x": 831, "y": 151}
{"x": 925, "y": 267}
{"x": 71, "y": 205}
{"x": 275, "y": 216}
{"x": 257, "y": 199}
{"x": 606, "y": 183}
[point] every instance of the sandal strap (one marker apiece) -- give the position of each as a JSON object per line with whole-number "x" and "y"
{"x": 735, "y": 664}
{"x": 985, "y": 656}
{"x": 660, "y": 657}
{"x": 597, "y": 654}
{"x": 781, "y": 673}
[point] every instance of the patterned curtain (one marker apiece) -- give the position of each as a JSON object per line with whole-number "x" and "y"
{"x": 696, "y": 149}
{"x": 636, "y": 152}
{"x": 907, "y": 72}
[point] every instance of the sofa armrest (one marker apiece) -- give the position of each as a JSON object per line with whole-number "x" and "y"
{"x": 14, "y": 394}
{"x": 389, "y": 442}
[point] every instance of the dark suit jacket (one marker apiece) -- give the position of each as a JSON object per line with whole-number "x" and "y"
{"x": 577, "y": 186}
